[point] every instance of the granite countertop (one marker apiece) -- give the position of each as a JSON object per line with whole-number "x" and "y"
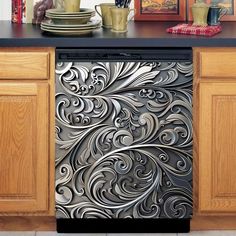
{"x": 140, "y": 34}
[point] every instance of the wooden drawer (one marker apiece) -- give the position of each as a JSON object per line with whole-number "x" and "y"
{"x": 24, "y": 64}
{"x": 216, "y": 63}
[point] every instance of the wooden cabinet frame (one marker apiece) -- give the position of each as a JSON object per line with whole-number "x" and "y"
{"x": 36, "y": 91}
{"x": 200, "y": 221}
{"x": 205, "y": 220}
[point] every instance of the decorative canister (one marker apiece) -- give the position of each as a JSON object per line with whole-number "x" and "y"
{"x": 200, "y": 11}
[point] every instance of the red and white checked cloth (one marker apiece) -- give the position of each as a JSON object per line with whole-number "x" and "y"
{"x": 196, "y": 30}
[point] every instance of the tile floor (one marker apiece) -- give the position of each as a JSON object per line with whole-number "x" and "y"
{"x": 199, "y": 233}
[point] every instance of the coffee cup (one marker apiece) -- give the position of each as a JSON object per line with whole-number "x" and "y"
{"x": 105, "y": 13}
{"x": 72, "y": 5}
{"x": 215, "y": 14}
{"x": 120, "y": 19}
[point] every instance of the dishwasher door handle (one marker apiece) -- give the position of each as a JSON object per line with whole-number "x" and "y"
{"x": 121, "y": 54}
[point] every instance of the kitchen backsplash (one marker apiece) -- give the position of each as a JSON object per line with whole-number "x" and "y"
{"x": 5, "y": 6}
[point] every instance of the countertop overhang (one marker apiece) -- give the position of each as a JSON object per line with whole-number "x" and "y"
{"x": 140, "y": 34}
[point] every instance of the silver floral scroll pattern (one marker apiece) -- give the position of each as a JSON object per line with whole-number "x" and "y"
{"x": 124, "y": 140}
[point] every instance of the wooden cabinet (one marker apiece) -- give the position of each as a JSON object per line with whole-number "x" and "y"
{"x": 27, "y": 138}
{"x": 215, "y": 126}
{"x": 217, "y": 147}
{"x": 216, "y": 63}
{"x": 26, "y": 134}
{"x": 24, "y": 65}
{"x": 24, "y": 147}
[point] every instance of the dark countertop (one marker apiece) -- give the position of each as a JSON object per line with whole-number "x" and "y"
{"x": 140, "y": 34}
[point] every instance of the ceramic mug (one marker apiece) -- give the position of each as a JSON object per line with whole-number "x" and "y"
{"x": 72, "y": 5}
{"x": 105, "y": 13}
{"x": 120, "y": 19}
{"x": 215, "y": 14}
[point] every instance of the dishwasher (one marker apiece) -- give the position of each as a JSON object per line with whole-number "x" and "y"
{"x": 123, "y": 140}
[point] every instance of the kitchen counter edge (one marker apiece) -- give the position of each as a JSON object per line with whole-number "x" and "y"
{"x": 140, "y": 34}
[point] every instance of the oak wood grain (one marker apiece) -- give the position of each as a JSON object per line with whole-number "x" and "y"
{"x": 213, "y": 223}
{"x": 207, "y": 220}
{"x": 24, "y": 65}
{"x": 217, "y": 135}
{"x": 27, "y": 223}
{"x": 33, "y": 86}
{"x": 216, "y": 63}
{"x": 24, "y": 148}
{"x": 15, "y": 146}
{"x": 214, "y": 135}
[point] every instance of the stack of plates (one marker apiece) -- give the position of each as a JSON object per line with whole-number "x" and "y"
{"x": 70, "y": 23}
{"x": 64, "y": 29}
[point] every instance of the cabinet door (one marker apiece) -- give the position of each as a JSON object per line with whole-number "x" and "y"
{"x": 24, "y": 148}
{"x": 217, "y": 147}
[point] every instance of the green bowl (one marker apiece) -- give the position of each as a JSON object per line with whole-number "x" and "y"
{"x": 71, "y": 21}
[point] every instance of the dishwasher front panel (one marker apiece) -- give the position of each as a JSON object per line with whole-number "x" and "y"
{"x": 123, "y": 140}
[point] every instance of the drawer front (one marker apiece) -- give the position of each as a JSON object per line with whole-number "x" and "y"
{"x": 217, "y": 64}
{"x": 24, "y": 65}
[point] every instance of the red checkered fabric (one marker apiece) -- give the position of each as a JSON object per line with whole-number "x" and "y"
{"x": 196, "y": 30}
